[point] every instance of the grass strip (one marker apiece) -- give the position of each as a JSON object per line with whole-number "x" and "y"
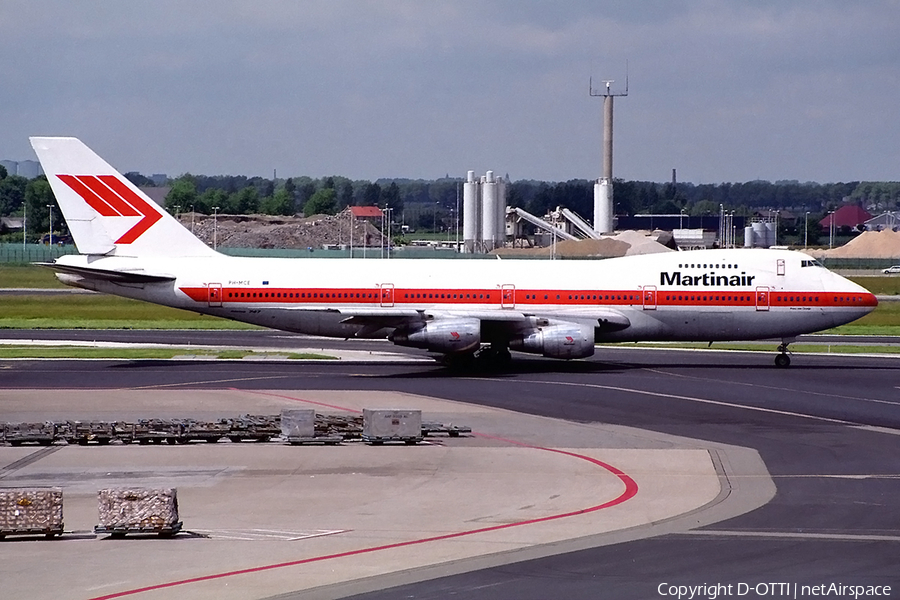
{"x": 17, "y": 351}
{"x": 99, "y": 311}
{"x": 772, "y": 347}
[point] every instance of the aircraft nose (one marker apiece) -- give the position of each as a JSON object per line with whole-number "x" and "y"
{"x": 869, "y": 299}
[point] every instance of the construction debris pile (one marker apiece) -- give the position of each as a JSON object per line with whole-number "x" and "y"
{"x": 263, "y": 231}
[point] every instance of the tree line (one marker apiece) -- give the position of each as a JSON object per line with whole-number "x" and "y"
{"x": 432, "y": 204}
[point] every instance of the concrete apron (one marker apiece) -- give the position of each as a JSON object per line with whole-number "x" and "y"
{"x": 268, "y": 519}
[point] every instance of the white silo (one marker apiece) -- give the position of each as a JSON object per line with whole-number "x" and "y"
{"x": 603, "y": 213}
{"x": 759, "y": 235}
{"x": 748, "y": 237}
{"x": 501, "y": 212}
{"x": 489, "y": 212}
{"x": 771, "y": 233}
{"x": 471, "y": 214}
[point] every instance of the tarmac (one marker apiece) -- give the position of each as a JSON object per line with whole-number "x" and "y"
{"x": 270, "y": 519}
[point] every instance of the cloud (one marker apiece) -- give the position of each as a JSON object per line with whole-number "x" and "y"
{"x": 722, "y": 91}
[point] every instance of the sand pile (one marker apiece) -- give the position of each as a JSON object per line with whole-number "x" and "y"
{"x": 869, "y": 244}
{"x": 642, "y": 242}
{"x": 625, "y": 243}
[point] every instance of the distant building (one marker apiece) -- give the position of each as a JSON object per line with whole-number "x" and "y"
{"x": 158, "y": 195}
{"x": 11, "y": 166}
{"x": 850, "y": 215}
{"x": 368, "y": 213}
{"x": 888, "y": 220}
{"x": 782, "y": 216}
{"x": 29, "y": 169}
{"x": 11, "y": 224}
{"x": 25, "y": 168}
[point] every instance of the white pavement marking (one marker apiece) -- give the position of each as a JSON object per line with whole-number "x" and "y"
{"x": 252, "y": 535}
{"x": 613, "y": 388}
{"x": 777, "y": 389}
{"x": 847, "y": 537}
{"x": 183, "y": 383}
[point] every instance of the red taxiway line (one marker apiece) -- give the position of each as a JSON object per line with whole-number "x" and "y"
{"x": 629, "y": 492}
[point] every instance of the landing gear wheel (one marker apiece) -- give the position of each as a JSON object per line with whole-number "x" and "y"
{"x": 493, "y": 357}
{"x": 782, "y": 361}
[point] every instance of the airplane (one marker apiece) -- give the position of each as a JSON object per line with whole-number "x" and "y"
{"x": 461, "y": 310}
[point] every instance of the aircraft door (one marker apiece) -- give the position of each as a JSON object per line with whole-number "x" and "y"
{"x": 507, "y": 295}
{"x": 762, "y": 298}
{"x": 387, "y": 295}
{"x": 214, "y": 295}
{"x": 649, "y": 297}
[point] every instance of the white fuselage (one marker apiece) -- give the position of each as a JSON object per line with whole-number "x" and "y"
{"x": 706, "y": 295}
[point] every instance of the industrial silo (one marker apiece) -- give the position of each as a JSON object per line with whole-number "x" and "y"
{"x": 489, "y": 212}
{"x": 471, "y": 214}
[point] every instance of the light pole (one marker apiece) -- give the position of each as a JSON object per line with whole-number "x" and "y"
{"x": 215, "y": 227}
{"x": 24, "y": 226}
{"x": 681, "y": 219}
{"x": 390, "y": 217}
{"x": 50, "y": 207}
{"x": 831, "y": 230}
{"x": 806, "y": 231}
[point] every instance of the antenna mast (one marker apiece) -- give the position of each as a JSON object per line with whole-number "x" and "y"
{"x": 603, "y": 203}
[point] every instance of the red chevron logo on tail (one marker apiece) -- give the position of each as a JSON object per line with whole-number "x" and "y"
{"x": 111, "y": 198}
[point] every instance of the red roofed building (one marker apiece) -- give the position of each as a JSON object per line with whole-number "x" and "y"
{"x": 846, "y": 216}
{"x": 366, "y": 212}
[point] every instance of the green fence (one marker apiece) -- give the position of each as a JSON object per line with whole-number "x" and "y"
{"x": 29, "y": 253}
{"x": 862, "y": 264}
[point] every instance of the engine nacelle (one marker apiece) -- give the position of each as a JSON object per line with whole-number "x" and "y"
{"x": 562, "y": 340}
{"x": 448, "y": 336}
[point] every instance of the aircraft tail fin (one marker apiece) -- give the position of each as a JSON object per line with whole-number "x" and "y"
{"x": 105, "y": 212}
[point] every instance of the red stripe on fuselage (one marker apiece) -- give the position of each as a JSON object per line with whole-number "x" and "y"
{"x": 458, "y": 298}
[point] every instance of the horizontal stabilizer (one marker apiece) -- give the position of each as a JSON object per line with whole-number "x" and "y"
{"x": 106, "y": 275}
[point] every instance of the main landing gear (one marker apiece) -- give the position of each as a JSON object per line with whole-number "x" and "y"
{"x": 487, "y": 358}
{"x": 783, "y": 360}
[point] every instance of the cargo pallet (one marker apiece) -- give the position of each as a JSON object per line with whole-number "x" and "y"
{"x": 122, "y": 531}
{"x": 47, "y": 532}
{"x": 319, "y": 439}
{"x": 378, "y": 440}
{"x": 451, "y": 430}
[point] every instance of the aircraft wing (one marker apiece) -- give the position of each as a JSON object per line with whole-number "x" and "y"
{"x": 604, "y": 318}
{"x": 106, "y": 275}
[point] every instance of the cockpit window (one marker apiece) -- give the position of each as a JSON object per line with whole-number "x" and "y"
{"x": 811, "y": 263}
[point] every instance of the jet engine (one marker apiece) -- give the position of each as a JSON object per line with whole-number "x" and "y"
{"x": 448, "y": 336}
{"x": 560, "y": 340}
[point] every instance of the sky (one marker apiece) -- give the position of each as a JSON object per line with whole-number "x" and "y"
{"x": 722, "y": 91}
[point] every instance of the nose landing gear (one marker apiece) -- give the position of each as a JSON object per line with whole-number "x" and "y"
{"x": 783, "y": 360}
